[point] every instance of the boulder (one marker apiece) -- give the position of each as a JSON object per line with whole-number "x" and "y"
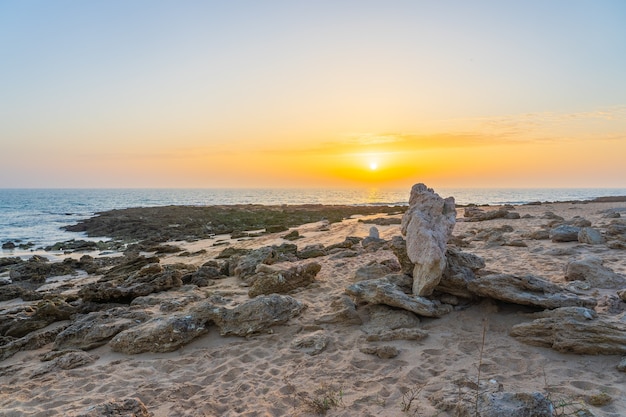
{"x": 250, "y": 317}
{"x": 574, "y": 330}
{"x": 398, "y": 247}
{"x": 38, "y": 268}
{"x": 474, "y": 214}
{"x": 269, "y": 280}
{"x": 246, "y": 265}
{"x": 564, "y": 233}
{"x": 33, "y": 340}
{"x": 97, "y": 328}
{"x": 37, "y": 317}
{"x": 590, "y": 236}
{"x": 527, "y": 290}
{"x": 372, "y": 270}
{"x": 12, "y": 291}
{"x": 383, "y": 319}
{"x": 381, "y": 291}
{"x": 590, "y": 269}
{"x": 427, "y": 226}
{"x": 312, "y": 251}
{"x": 160, "y": 334}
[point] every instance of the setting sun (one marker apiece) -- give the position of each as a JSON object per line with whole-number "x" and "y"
{"x": 373, "y": 166}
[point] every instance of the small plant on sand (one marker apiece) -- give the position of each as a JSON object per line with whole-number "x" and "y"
{"x": 326, "y": 397}
{"x": 566, "y": 406}
{"x": 410, "y": 395}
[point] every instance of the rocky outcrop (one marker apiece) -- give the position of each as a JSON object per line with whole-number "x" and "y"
{"x": 590, "y": 269}
{"x": 33, "y": 340}
{"x": 118, "y": 286}
{"x": 475, "y": 214}
{"x": 574, "y": 330}
{"x": 461, "y": 269}
{"x": 161, "y": 334}
{"x": 590, "y": 236}
{"x": 269, "y": 280}
{"x": 381, "y": 291}
{"x": 343, "y": 312}
{"x": 26, "y": 319}
{"x": 38, "y": 268}
{"x": 250, "y": 317}
{"x": 527, "y": 290}
{"x": 97, "y": 328}
{"x": 65, "y": 360}
{"x": 246, "y": 265}
{"x": 12, "y": 291}
{"x": 427, "y": 226}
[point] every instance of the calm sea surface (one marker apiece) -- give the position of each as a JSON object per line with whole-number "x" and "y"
{"x": 36, "y": 215}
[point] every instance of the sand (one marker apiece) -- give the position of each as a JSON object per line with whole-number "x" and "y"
{"x": 264, "y": 375}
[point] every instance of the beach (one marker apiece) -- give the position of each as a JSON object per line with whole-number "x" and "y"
{"x": 337, "y": 355}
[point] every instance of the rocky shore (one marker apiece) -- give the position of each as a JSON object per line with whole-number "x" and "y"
{"x": 429, "y": 309}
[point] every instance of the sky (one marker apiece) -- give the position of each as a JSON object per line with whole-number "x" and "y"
{"x": 312, "y": 93}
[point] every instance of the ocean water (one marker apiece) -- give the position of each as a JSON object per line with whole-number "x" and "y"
{"x": 36, "y": 215}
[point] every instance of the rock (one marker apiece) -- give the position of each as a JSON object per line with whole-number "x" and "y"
{"x": 382, "y": 221}
{"x": 564, "y": 233}
{"x": 574, "y": 330}
{"x": 621, "y": 366}
{"x": 311, "y": 344}
{"x": 397, "y": 334}
{"x": 373, "y": 233}
{"x": 252, "y": 316}
{"x": 539, "y": 235}
{"x": 33, "y": 340}
{"x": 348, "y": 243}
{"x": 161, "y": 334}
{"x": 381, "y": 291}
{"x": 383, "y": 352}
{"x": 293, "y": 235}
{"x": 578, "y": 222}
{"x": 398, "y": 247}
{"x": 513, "y": 404}
{"x": 273, "y": 281}
{"x": 38, "y": 268}
{"x": 384, "y": 318}
{"x": 65, "y": 360}
{"x": 590, "y": 236}
{"x": 246, "y": 265}
{"x": 8, "y": 245}
{"x": 474, "y": 214}
{"x": 276, "y": 228}
{"x": 129, "y": 407}
{"x": 344, "y": 312}
{"x": 590, "y": 269}
{"x": 312, "y": 251}
{"x": 461, "y": 268}
{"x": 527, "y": 290}
{"x": 205, "y": 275}
{"x": 97, "y": 328}
{"x": 622, "y": 294}
{"x": 42, "y": 314}
{"x": 150, "y": 278}
{"x": 427, "y": 226}
{"x": 12, "y": 291}
{"x": 372, "y": 270}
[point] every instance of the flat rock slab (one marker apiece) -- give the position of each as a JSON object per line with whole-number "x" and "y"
{"x": 574, "y": 330}
{"x": 527, "y": 290}
{"x": 381, "y": 291}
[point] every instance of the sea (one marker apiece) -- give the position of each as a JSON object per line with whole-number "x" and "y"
{"x": 36, "y": 215}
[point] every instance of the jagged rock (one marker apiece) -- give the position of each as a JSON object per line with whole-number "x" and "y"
{"x": 427, "y": 226}
{"x": 578, "y": 221}
{"x": 564, "y": 233}
{"x": 38, "y": 268}
{"x": 381, "y": 291}
{"x": 11, "y": 291}
{"x": 591, "y": 270}
{"x": 252, "y": 316}
{"x": 382, "y": 221}
{"x": 65, "y": 360}
{"x": 118, "y": 287}
{"x": 268, "y": 280}
{"x": 344, "y": 312}
{"x": 461, "y": 268}
{"x": 622, "y": 294}
{"x": 97, "y": 328}
{"x": 246, "y": 265}
{"x": 129, "y": 407}
{"x": 160, "y": 334}
{"x": 527, "y": 290}
{"x": 372, "y": 270}
{"x": 312, "y": 251}
{"x": 590, "y": 236}
{"x": 621, "y": 366}
{"x": 42, "y": 314}
{"x": 574, "y": 330}
{"x": 538, "y": 235}
{"x": 205, "y": 275}
{"x": 293, "y": 235}
{"x": 33, "y": 340}
{"x": 311, "y": 344}
{"x": 383, "y": 352}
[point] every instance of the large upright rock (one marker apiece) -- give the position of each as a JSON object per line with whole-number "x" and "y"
{"x": 427, "y": 226}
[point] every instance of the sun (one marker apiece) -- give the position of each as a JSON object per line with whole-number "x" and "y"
{"x": 373, "y": 166}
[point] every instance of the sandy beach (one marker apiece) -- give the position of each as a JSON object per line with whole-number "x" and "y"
{"x": 323, "y": 362}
